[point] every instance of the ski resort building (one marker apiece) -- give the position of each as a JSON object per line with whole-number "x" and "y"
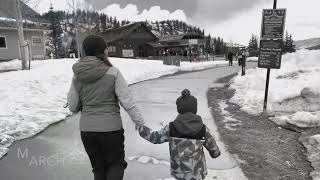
{"x": 182, "y": 45}
{"x": 137, "y": 41}
{"x": 34, "y": 32}
{"x": 130, "y": 40}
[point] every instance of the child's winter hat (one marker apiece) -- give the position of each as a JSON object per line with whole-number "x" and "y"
{"x": 186, "y": 103}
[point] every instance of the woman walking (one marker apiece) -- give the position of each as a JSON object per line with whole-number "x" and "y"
{"x": 97, "y": 89}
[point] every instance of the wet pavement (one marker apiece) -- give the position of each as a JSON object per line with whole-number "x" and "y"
{"x": 57, "y": 153}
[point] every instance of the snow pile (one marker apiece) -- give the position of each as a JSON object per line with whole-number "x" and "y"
{"x": 148, "y": 160}
{"x": 294, "y": 90}
{"x": 307, "y": 43}
{"x": 252, "y": 59}
{"x": 10, "y": 65}
{"x": 7, "y": 19}
{"x": 32, "y": 100}
{"x": 312, "y": 144}
{"x": 14, "y": 20}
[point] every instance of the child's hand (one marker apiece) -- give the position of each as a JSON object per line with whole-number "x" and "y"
{"x": 143, "y": 130}
{"x": 155, "y": 137}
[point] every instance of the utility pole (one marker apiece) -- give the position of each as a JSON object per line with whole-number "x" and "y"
{"x": 268, "y": 77}
{"x": 22, "y": 43}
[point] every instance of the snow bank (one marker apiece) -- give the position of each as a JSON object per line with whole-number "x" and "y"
{"x": 312, "y": 144}
{"x": 7, "y": 19}
{"x": 252, "y": 59}
{"x": 10, "y": 65}
{"x": 295, "y": 88}
{"x": 32, "y": 100}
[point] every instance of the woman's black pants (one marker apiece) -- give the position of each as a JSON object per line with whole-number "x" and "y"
{"x": 106, "y": 153}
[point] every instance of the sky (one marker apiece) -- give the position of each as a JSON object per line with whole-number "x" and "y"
{"x": 234, "y": 20}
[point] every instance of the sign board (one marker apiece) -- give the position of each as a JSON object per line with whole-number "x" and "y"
{"x": 273, "y": 22}
{"x": 270, "y": 53}
{"x": 193, "y": 41}
{"x": 127, "y": 53}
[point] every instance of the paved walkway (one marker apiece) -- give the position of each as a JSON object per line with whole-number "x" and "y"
{"x": 57, "y": 153}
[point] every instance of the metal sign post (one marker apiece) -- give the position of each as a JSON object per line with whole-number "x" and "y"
{"x": 271, "y": 43}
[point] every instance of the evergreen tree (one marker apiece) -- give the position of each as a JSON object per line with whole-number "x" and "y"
{"x": 170, "y": 28}
{"x": 157, "y": 26}
{"x": 219, "y": 45}
{"x": 116, "y": 23}
{"x": 208, "y": 47}
{"x": 55, "y": 36}
{"x": 292, "y": 46}
{"x": 288, "y": 44}
{"x": 253, "y": 46}
{"x": 103, "y": 21}
{"x": 253, "y": 43}
{"x": 111, "y": 22}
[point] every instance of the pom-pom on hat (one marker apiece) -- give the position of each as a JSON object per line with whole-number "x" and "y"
{"x": 186, "y": 102}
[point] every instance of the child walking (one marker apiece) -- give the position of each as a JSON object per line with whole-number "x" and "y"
{"x": 186, "y": 136}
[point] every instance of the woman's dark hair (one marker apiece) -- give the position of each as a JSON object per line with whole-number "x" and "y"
{"x": 94, "y": 45}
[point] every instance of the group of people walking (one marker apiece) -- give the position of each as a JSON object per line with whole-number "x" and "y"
{"x": 98, "y": 89}
{"x": 241, "y": 57}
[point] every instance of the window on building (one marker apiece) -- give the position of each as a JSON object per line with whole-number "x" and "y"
{"x": 3, "y": 42}
{"x": 112, "y": 49}
{"x": 36, "y": 41}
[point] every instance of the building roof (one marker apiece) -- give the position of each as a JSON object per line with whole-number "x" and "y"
{"x": 122, "y": 32}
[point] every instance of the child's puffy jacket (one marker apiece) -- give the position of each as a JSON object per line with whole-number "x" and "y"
{"x": 186, "y": 153}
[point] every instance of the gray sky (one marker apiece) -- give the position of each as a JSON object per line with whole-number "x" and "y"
{"x": 234, "y": 20}
{"x": 203, "y": 10}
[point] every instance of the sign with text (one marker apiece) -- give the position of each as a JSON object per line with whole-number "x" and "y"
{"x": 273, "y": 22}
{"x": 127, "y": 53}
{"x": 270, "y": 53}
{"x": 193, "y": 41}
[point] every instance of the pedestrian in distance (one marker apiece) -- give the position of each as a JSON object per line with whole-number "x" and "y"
{"x": 96, "y": 90}
{"x": 230, "y": 58}
{"x": 186, "y": 135}
{"x": 239, "y": 58}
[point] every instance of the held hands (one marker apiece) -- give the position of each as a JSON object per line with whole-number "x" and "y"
{"x": 139, "y": 127}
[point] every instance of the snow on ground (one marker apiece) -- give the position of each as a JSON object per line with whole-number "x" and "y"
{"x": 294, "y": 96}
{"x": 11, "y": 65}
{"x": 32, "y": 100}
{"x": 252, "y": 59}
{"x": 7, "y": 19}
{"x": 312, "y": 144}
{"x": 148, "y": 160}
{"x": 230, "y": 122}
{"x": 294, "y": 91}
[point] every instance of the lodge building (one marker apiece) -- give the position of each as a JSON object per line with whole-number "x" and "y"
{"x": 129, "y": 40}
{"x": 135, "y": 40}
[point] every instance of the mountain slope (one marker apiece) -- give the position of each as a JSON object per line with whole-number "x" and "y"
{"x": 313, "y": 43}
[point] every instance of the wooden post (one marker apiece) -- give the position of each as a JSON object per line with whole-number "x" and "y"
{"x": 265, "y": 104}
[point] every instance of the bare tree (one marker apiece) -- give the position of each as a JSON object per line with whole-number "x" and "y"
{"x": 74, "y": 5}
{"x": 22, "y": 43}
{"x": 32, "y": 3}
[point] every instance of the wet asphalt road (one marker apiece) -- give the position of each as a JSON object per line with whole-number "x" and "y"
{"x": 57, "y": 153}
